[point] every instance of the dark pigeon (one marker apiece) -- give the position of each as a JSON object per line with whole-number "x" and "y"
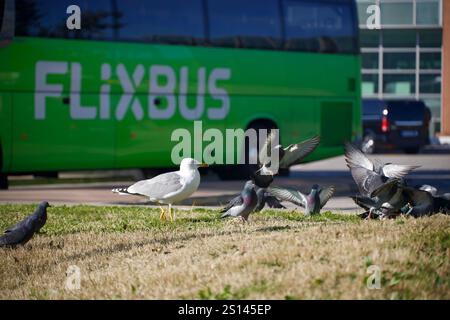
{"x": 265, "y": 198}
{"x": 312, "y": 202}
{"x": 422, "y": 203}
{"x": 22, "y": 232}
{"x": 244, "y": 204}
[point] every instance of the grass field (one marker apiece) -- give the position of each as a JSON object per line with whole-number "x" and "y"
{"x": 126, "y": 252}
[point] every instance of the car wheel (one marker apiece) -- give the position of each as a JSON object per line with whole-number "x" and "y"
{"x": 414, "y": 150}
{"x": 3, "y": 181}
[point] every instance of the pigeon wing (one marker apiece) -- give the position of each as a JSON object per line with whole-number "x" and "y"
{"x": 421, "y": 201}
{"x": 268, "y": 145}
{"x": 236, "y": 201}
{"x": 290, "y": 195}
{"x": 365, "y": 179}
{"x": 355, "y": 157}
{"x": 273, "y": 202}
{"x": 295, "y": 153}
{"x": 397, "y": 170}
{"x": 325, "y": 195}
{"x": 384, "y": 189}
{"x": 364, "y": 202}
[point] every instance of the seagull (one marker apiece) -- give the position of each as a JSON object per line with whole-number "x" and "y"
{"x": 22, "y": 232}
{"x": 242, "y": 205}
{"x": 168, "y": 188}
{"x": 312, "y": 202}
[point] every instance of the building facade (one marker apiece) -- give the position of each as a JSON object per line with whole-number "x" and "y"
{"x": 403, "y": 57}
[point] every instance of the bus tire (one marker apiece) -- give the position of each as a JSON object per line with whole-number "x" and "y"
{"x": 3, "y": 181}
{"x": 245, "y": 171}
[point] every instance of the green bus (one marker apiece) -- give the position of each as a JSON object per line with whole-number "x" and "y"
{"x": 109, "y": 94}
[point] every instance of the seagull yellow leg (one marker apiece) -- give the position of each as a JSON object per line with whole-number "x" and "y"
{"x": 162, "y": 215}
{"x": 170, "y": 213}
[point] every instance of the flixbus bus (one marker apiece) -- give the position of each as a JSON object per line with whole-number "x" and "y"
{"x": 109, "y": 94}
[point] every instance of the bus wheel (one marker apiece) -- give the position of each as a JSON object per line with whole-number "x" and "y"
{"x": 3, "y": 181}
{"x": 245, "y": 171}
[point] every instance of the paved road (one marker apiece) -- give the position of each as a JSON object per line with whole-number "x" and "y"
{"x": 435, "y": 170}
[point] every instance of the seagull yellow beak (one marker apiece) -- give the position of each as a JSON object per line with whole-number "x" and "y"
{"x": 204, "y": 165}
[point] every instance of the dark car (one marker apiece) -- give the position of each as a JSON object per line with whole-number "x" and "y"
{"x": 395, "y": 124}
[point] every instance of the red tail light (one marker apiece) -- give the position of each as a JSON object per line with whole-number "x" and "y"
{"x": 384, "y": 124}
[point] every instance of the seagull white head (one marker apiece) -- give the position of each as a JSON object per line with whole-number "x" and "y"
{"x": 191, "y": 164}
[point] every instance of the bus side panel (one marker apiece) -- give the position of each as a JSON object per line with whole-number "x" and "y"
{"x": 5, "y": 130}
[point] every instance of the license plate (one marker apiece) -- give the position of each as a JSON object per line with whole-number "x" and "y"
{"x": 409, "y": 133}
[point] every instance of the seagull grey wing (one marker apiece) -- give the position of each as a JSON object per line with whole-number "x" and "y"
{"x": 236, "y": 201}
{"x": 159, "y": 186}
{"x": 290, "y": 195}
{"x": 397, "y": 170}
{"x": 365, "y": 179}
{"x": 295, "y": 153}
{"x": 355, "y": 157}
{"x": 325, "y": 195}
{"x": 271, "y": 142}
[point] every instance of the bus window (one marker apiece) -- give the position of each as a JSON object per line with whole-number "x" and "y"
{"x": 168, "y": 21}
{"x": 245, "y": 24}
{"x": 47, "y": 18}
{"x": 319, "y": 26}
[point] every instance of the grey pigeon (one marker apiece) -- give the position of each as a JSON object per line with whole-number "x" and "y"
{"x": 355, "y": 158}
{"x": 288, "y": 156}
{"x": 23, "y": 231}
{"x": 244, "y": 204}
{"x": 428, "y": 188}
{"x": 422, "y": 203}
{"x": 265, "y": 198}
{"x": 312, "y": 202}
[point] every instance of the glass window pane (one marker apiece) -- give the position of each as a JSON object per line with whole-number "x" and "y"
{"x": 434, "y": 105}
{"x": 400, "y": 13}
{"x": 369, "y": 38}
{"x": 369, "y": 85}
{"x": 362, "y": 10}
{"x": 169, "y": 21}
{"x": 399, "y": 60}
{"x": 430, "y": 83}
{"x": 428, "y": 12}
{"x": 399, "y": 38}
{"x": 370, "y": 60}
{"x": 430, "y": 38}
{"x": 47, "y": 18}
{"x": 247, "y": 24}
{"x": 430, "y": 60}
{"x": 319, "y": 26}
{"x": 399, "y": 84}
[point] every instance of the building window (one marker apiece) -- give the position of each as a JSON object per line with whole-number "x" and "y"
{"x": 430, "y": 83}
{"x": 427, "y": 12}
{"x": 430, "y": 60}
{"x": 369, "y": 84}
{"x": 369, "y": 38}
{"x": 403, "y": 38}
{"x": 370, "y": 60}
{"x": 396, "y": 13}
{"x": 430, "y": 38}
{"x": 399, "y": 84}
{"x": 399, "y": 60}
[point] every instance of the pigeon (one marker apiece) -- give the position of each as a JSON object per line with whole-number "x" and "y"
{"x": 265, "y": 198}
{"x": 428, "y": 188}
{"x": 168, "y": 188}
{"x": 376, "y": 180}
{"x": 287, "y": 156}
{"x": 384, "y": 171}
{"x": 244, "y": 204}
{"x": 421, "y": 203}
{"x": 312, "y": 202}
{"x": 22, "y": 232}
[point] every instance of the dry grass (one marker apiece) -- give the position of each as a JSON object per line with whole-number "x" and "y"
{"x": 125, "y": 252}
